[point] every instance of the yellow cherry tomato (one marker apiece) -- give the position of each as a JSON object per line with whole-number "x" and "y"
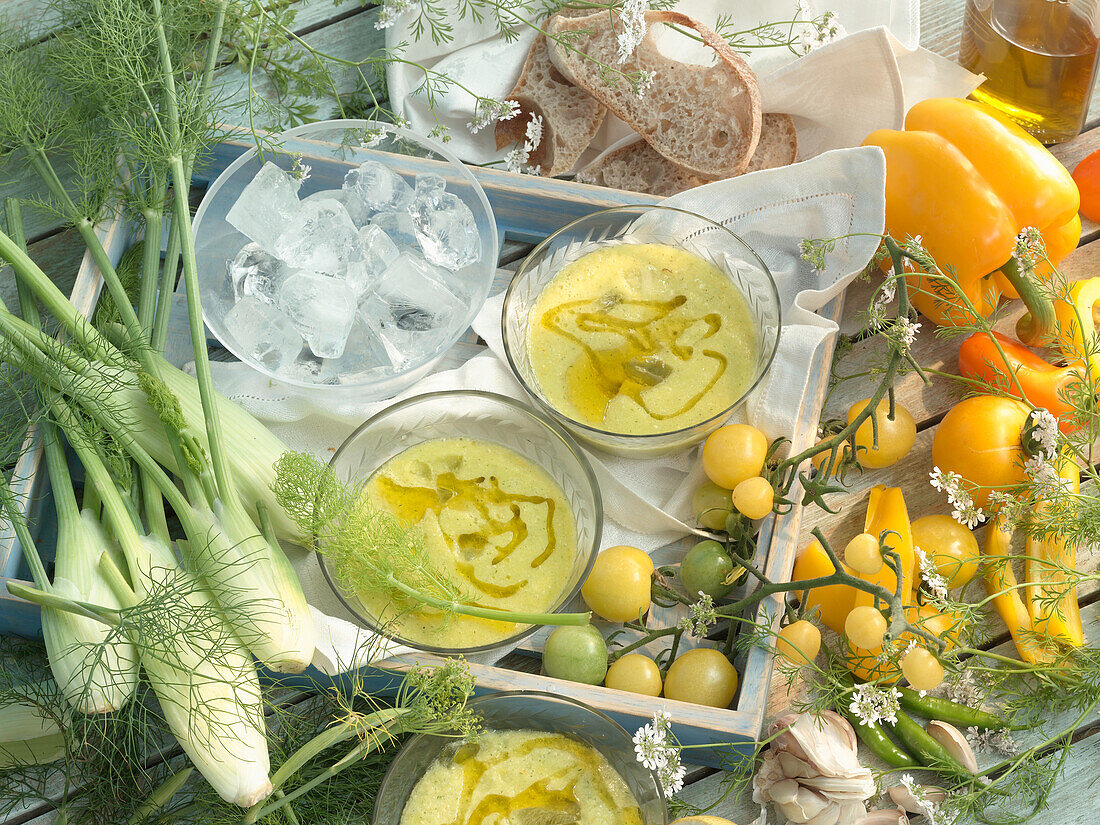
{"x": 865, "y": 627}
{"x": 617, "y": 589}
{"x": 635, "y": 673}
{"x": 979, "y": 439}
{"x": 921, "y": 669}
{"x": 703, "y": 676}
{"x": 733, "y": 453}
{"x": 863, "y": 554}
{"x": 799, "y": 642}
{"x": 895, "y": 437}
{"x": 950, "y": 546}
{"x": 711, "y": 504}
{"x": 754, "y": 497}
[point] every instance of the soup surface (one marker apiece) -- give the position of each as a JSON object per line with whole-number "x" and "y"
{"x": 495, "y": 523}
{"x": 640, "y": 339}
{"x": 521, "y": 777}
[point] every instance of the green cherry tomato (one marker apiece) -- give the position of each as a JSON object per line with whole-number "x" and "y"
{"x": 576, "y": 654}
{"x": 704, "y": 569}
{"x": 711, "y": 504}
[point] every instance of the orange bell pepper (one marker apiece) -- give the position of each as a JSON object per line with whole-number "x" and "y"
{"x": 967, "y": 181}
{"x": 1044, "y": 385}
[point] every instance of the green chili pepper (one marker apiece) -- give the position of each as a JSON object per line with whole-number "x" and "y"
{"x": 928, "y": 751}
{"x": 944, "y": 710}
{"x": 878, "y": 743}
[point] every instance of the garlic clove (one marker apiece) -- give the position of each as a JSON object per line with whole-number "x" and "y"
{"x": 794, "y": 767}
{"x": 811, "y": 802}
{"x": 886, "y": 816}
{"x": 904, "y": 798}
{"x": 829, "y": 816}
{"x": 784, "y": 792}
{"x": 843, "y": 727}
{"x": 954, "y": 742}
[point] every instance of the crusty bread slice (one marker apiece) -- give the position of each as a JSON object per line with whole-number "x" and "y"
{"x": 703, "y": 118}
{"x": 778, "y": 144}
{"x": 636, "y": 166}
{"x": 570, "y": 116}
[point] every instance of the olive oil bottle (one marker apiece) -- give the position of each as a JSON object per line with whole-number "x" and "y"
{"x": 1039, "y": 59}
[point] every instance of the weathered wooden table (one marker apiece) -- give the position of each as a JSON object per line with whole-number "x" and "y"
{"x": 346, "y": 29}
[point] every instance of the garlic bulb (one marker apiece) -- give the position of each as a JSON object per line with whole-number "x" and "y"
{"x": 811, "y": 771}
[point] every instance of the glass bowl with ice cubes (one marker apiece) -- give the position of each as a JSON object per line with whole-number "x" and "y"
{"x": 349, "y": 260}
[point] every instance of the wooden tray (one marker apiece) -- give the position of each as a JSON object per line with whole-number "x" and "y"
{"x": 527, "y": 209}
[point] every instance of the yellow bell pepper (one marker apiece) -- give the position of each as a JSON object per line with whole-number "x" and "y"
{"x": 967, "y": 181}
{"x": 1076, "y": 325}
{"x": 833, "y": 602}
{"x": 888, "y": 520}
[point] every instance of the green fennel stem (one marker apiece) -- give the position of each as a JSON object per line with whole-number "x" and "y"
{"x": 150, "y": 270}
{"x": 52, "y": 600}
{"x": 575, "y": 619}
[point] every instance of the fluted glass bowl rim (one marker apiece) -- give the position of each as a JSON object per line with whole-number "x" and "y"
{"x": 641, "y": 439}
{"x": 589, "y": 482}
{"x": 303, "y": 131}
{"x": 627, "y": 744}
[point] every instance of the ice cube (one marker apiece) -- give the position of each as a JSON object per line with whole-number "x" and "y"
{"x": 429, "y": 188}
{"x": 447, "y": 231}
{"x": 373, "y": 252}
{"x": 378, "y": 186}
{"x": 365, "y": 352}
{"x": 357, "y": 210}
{"x": 413, "y": 310}
{"x": 320, "y": 238}
{"x": 308, "y": 367}
{"x": 322, "y": 309}
{"x": 266, "y": 204}
{"x": 254, "y": 273}
{"x": 398, "y": 224}
{"x": 263, "y": 333}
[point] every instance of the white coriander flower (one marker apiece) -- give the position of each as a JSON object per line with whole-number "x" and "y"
{"x": 701, "y": 618}
{"x": 1029, "y": 248}
{"x": 920, "y": 796}
{"x": 515, "y": 160}
{"x": 820, "y": 31}
{"x": 889, "y": 290}
{"x": 389, "y": 10}
{"x": 649, "y": 747}
{"x": 871, "y": 705}
{"x": 803, "y": 9}
{"x": 672, "y": 773}
{"x": 533, "y": 136}
{"x": 909, "y": 330}
{"x": 1044, "y": 429}
{"x": 964, "y": 690}
{"x": 489, "y": 112}
{"x": 968, "y": 515}
{"x": 936, "y": 584}
{"x": 643, "y": 82}
{"x": 632, "y": 18}
{"x": 300, "y": 171}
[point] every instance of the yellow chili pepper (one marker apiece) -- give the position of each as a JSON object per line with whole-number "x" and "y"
{"x": 1076, "y": 327}
{"x": 888, "y": 520}
{"x": 967, "y": 180}
{"x": 1001, "y": 584}
{"x": 1053, "y": 602}
{"x": 833, "y": 602}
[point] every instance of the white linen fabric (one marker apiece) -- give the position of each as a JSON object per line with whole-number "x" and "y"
{"x": 646, "y": 502}
{"x": 837, "y": 94}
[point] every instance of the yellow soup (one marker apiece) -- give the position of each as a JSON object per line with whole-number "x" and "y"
{"x": 521, "y": 777}
{"x": 641, "y": 339}
{"x": 496, "y": 524}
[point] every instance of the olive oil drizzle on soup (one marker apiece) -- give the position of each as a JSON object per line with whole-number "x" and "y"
{"x": 518, "y": 777}
{"x": 641, "y": 339}
{"x": 496, "y": 523}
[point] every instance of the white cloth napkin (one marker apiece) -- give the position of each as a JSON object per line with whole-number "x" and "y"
{"x": 646, "y": 501}
{"x": 837, "y": 94}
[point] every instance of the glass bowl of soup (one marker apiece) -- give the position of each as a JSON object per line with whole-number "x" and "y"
{"x": 641, "y": 328}
{"x": 542, "y": 758}
{"x": 504, "y": 506}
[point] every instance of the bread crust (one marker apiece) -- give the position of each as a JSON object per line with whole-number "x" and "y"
{"x": 705, "y": 119}
{"x": 570, "y": 116}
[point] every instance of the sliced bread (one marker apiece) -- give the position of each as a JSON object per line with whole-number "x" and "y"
{"x": 570, "y": 116}
{"x": 778, "y": 144}
{"x": 636, "y": 167}
{"x": 703, "y": 118}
